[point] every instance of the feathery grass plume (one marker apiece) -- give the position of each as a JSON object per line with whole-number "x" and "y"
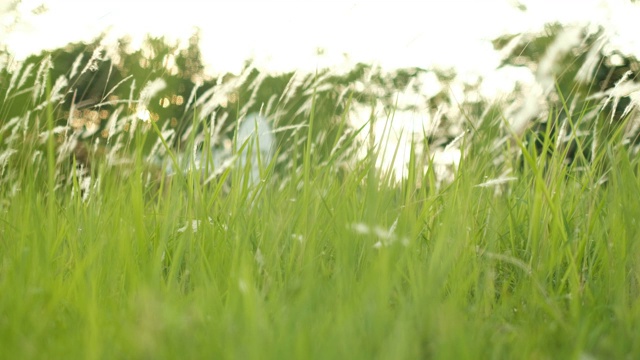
{"x": 96, "y": 57}
{"x": 58, "y": 92}
{"x": 587, "y": 71}
{"x": 43, "y": 72}
{"x": 622, "y": 88}
{"x": 26, "y": 73}
{"x": 4, "y": 159}
{"x": 11, "y": 124}
{"x": 12, "y": 82}
{"x": 192, "y": 96}
{"x": 76, "y": 65}
{"x": 255, "y": 86}
{"x": 17, "y": 124}
{"x": 151, "y": 89}
{"x": 568, "y": 39}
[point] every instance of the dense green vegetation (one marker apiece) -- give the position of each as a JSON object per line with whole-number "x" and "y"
{"x": 528, "y": 251}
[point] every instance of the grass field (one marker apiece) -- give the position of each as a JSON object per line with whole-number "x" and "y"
{"x": 526, "y": 257}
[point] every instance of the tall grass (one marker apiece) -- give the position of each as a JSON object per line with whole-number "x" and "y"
{"x": 322, "y": 258}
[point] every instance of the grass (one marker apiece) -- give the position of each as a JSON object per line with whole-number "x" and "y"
{"x": 322, "y": 261}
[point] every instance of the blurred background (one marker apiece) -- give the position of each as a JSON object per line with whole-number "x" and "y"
{"x": 429, "y": 69}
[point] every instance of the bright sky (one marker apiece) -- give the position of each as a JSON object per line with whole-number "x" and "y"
{"x": 286, "y": 35}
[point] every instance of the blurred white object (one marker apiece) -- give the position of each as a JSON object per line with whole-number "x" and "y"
{"x": 256, "y": 135}
{"x": 254, "y": 147}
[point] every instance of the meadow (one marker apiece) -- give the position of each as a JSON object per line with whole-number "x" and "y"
{"x": 521, "y": 253}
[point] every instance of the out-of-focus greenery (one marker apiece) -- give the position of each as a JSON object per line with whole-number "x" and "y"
{"x": 98, "y": 82}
